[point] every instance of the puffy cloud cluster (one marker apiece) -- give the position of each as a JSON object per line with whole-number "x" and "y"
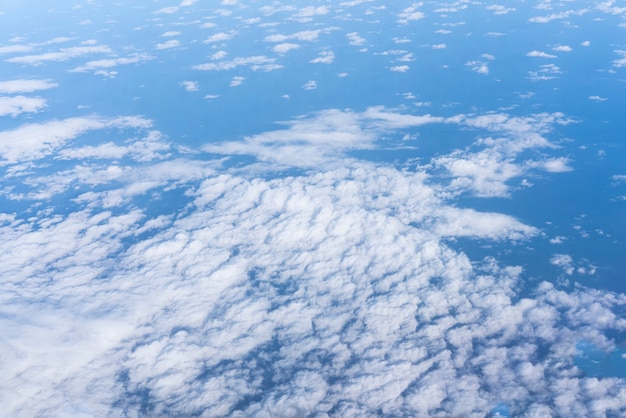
{"x": 329, "y": 293}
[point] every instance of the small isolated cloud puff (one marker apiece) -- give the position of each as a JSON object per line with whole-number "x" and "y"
{"x": 62, "y": 55}
{"x": 306, "y": 35}
{"x": 540, "y": 54}
{"x": 219, "y": 37}
{"x": 110, "y": 63}
{"x": 410, "y": 14}
{"x": 236, "y": 81}
{"x": 355, "y": 39}
{"x": 172, "y": 43}
{"x": 25, "y": 86}
{"x": 598, "y": 98}
{"x": 400, "y": 68}
{"x": 562, "y": 48}
{"x": 439, "y": 46}
{"x": 190, "y": 85}
{"x": 16, "y": 105}
{"x": 256, "y": 63}
{"x": 285, "y": 47}
{"x": 310, "y": 85}
{"x": 325, "y": 57}
{"x": 498, "y": 9}
{"x": 480, "y": 67}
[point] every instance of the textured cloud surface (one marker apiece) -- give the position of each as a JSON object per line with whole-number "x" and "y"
{"x": 327, "y": 293}
{"x": 311, "y": 243}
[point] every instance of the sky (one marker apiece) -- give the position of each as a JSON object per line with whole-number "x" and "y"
{"x": 312, "y": 209}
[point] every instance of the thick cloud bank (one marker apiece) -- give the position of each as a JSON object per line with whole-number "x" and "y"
{"x": 332, "y": 292}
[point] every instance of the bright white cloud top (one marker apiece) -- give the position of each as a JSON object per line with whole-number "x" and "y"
{"x": 341, "y": 235}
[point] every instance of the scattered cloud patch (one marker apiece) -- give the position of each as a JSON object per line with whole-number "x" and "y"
{"x": 562, "y": 48}
{"x": 355, "y": 39}
{"x": 236, "y": 81}
{"x": 62, "y": 55}
{"x": 219, "y": 37}
{"x": 310, "y": 85}
{"x": 190, "y": 85}
{"x": 598, "y": 98}
{"x": 110, "y": 63}
{"x": 25, "y": 86}
{"x": 256, "y": 63}
{"x": 410, "y": 14}
{"x": 172, "y": 43}
{"x": 16, "y": 105}
{"x": 325, "y": 57}
{"x": 285, "y": 47}
{"x": 540, "y": 54}
{"x": 400, "y": 68}
{"x": 499, "y": 9}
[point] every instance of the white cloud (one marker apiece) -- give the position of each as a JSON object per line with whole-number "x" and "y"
{"x": 340, "y": 271}
{"x": 540, "y": 54}
{"x": 171, "y": 33}
{"x": 480, "y": 67}
{"x": 355, "y": 39}
{"x": 17, "y": 105}
{"x": 219, "y": 37}
{"x": 562, "y": 48}
{"x": 256, "y": 63}
{"x": 411, "y": 14}
{"x": 598, "y": 98}
{"x": 305, "y": 35}
{"x": 308, "y": 12}
{"x": 25, "y": 86}
{"x": 555, "y": 16}
{"x": 190, "y": 85}
{"x": 499, "y": 9}
{"x": 35, "y": 141}
{"x": 62, "y": 55}
{"x": 236, "y": 81}
{"x": 111, "y": 62}
{"x": 325, "y": 57}
{"x": 310, "y": 85}
{"x": 285, "y": 47}
{"x": 439, "y": 46}
{"x": 400, "y": 68}
{"x": 620, "y": 62}
{"x": 219, "y": 55}
{"x": 11, "y": 49}
{"x": 172, "y": 43}
{"x": 545, "y": 72}
{"x": 167, "y": 10}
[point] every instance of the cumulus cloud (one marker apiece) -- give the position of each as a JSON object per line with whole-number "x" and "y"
{"x": 285, "y": 47}
{"x": 34, "y": 141}
{"x": 540, "y": 54}
{"x": 306, "y": 35}
{"x": 25, "y": 86}
{"x": 190, "y": 85}
{"x": 17, "y": 105}
{"x": 62, "y": 55}
{"x": 310, "y": 85}
{"x": 256, "y": 63}
{"x": 325, "y": 57}
{"x": 410, "y": 14}
{"x": 110, "y": 63}
{"x": 219, "y": 37}
{"x": 256, "y": 294}
{"x": 400, "y": 68}
{"x": 172, "y": 43}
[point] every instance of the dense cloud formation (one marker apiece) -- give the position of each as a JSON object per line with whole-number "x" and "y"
{"x": 277, "y": 272}
{"x": 331, "y": 292}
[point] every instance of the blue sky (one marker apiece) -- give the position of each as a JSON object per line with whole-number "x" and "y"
{"x": 327, "y": 208}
